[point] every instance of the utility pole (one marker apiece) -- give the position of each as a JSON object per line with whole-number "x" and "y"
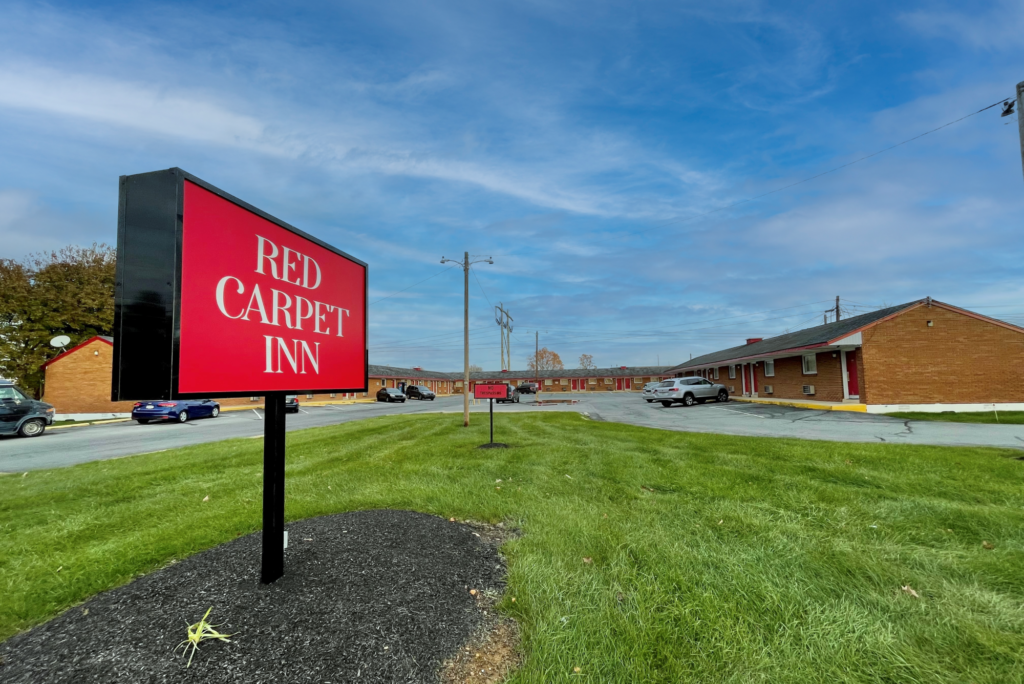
{"x": 1020, "y": 119}
{"x": 504, "y": 322}
{"x": 837, "y": 308}
{"x": 466, "y": 263}
{"x": 536, "y": 360}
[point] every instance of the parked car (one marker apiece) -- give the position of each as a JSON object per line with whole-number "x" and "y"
{"x": 291, "y": 403}
{"x": 689, "y": 391}
{"x": 180, "y": 410}
{"x": 648, "y": 392}
{"x": 419, "y": 392}
{"x": 20, "y": 414}
{"x": 512, "y": 396}
{"x": 390, "y": 394}
{"x": 528, "y": 388}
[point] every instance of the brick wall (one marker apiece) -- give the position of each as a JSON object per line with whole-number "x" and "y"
{"x": 789, "y": 378}
{"x": 80, "y": 381}
{"x": 959, "y": 359}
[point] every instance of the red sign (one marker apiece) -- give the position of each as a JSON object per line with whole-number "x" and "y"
{"x": 490, "y": 391}
{"x": 262, "y": 308}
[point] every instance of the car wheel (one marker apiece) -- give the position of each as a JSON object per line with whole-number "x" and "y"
{"x": 666, "y": 404}
{"x": 32, "y": 428}
{"x": 650, "y": 401}
{"x": 688, "y": 400}
{"x": 431, "y": 398}
{"x": 216, "y": 412}
{"x": 723, "y": 397}
{"x": 143, "y": 421}
{"x": 183, "y": 417}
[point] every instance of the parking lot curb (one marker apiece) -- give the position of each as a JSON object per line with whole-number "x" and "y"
{"x": 855, "y": 408}
{"x": 93, "y": 422}
{"x": 249, "y": 407}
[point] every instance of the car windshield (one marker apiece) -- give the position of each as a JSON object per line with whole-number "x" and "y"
{"x": 11, "y": 393}
{"x": 394, "y": 391}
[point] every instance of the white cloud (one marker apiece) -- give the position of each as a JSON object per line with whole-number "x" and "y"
{"x": 132, "y": 105}
{"x": 998, "y": 29}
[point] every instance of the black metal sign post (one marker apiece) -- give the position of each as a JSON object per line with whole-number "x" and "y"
{"x": 272, "y": 565}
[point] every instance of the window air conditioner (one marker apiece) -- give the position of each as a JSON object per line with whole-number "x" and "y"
{"x": 808, "y": 389}
{"x": 767, "y": 389}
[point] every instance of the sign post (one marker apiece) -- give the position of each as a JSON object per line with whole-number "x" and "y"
{"x": 215, "y": 298}
{"x": 491, "y": 392}
{"x": 272, "y": 558}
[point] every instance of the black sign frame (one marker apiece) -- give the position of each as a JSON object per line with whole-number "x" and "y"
{"x": 147, "y": 295}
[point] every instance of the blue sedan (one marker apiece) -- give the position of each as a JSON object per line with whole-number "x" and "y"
{"x": 180, "y": 410}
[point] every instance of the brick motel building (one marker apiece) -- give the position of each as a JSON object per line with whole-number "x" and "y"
{"x": 77, "y": 382}
{"x": 921, "y": 356}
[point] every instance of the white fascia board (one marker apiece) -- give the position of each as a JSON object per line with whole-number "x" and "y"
{"x": 854, "y": 339}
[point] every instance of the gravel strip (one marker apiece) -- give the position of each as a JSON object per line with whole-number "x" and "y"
{"x": 370, "y": 596}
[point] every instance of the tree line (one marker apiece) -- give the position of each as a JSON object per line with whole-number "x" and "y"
{"x": 64, "y": 292}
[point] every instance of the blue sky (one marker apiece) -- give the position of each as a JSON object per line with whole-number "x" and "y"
{"x": 579, "y": 143}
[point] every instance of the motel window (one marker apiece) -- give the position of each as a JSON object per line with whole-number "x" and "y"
{"x": 732, "y": 372}
{"x": 254, "y": 398}
{"x": 716, "y": 372}
{"x": 769, "y": 368}
{"x": 608, "y": 381}
{"x": 333, "y": 395}
{"x": 458, "y": 384}
{"x": 309, "y": 396}
{"x": 810, "y": 364}
{"x": 563, "y": 381}
{"x": 593, "y": 381}
{"x": 547, "y": 382}
{"x": 638, "y": 381}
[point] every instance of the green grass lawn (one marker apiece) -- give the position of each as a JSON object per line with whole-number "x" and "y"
{"x": 1002, "y": 417}
{"x": 714, "y": 558}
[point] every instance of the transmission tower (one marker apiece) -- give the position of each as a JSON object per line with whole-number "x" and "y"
{"x": 504, "y": 322}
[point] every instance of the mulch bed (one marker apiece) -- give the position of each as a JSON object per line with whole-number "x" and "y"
{"x": 370, "y": 596}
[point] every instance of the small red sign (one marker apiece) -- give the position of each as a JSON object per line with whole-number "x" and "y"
{"x": 263, "y": 309}
{"x": 490, "y": 391}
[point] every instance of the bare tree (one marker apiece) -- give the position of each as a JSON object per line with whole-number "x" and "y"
{"x": 587, "y": 362}
{"x": 545, "y": 360}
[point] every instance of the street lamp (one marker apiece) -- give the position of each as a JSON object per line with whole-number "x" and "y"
{"x": 466, "y": 263}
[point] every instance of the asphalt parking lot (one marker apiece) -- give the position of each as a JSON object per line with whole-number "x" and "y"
{"x": 68, "y": 446}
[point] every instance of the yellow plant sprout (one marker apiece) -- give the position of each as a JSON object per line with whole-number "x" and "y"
{"x": 201, "y": 631}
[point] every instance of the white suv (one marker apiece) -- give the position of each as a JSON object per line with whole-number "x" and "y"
{"x": 689, "y": 391}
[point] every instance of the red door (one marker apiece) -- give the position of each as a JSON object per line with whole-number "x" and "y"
{"x": 746, "y": 378}
{"x": 629, "y": 384}
{"x": 753, "y": 377}
{"x": 852, "y": 384}
{"x": 618, "y": 384}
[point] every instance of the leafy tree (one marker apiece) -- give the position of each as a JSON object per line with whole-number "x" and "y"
{"x": 66, "y": 292}
{"x": 473, "y": 368}
{"x": 587, "y": 362}
{"x": 545, "y": 360}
